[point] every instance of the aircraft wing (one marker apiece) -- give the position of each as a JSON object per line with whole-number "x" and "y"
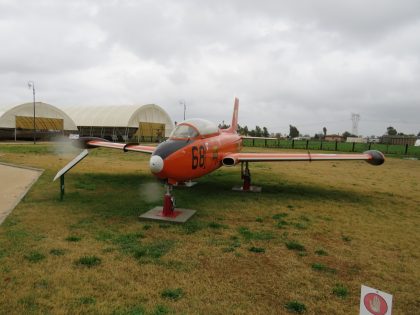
{"x": 121, "y": 146}
{"x": 93, "y": 142}
{"x": 372, "y": 157}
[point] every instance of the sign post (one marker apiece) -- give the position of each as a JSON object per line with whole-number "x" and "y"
{"x": 67, "y": 168}
{"x": 375, "y": 302}
{"x": 61, "y": 187}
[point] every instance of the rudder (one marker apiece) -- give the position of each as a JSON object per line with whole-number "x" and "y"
{"x": 234, "y": 126}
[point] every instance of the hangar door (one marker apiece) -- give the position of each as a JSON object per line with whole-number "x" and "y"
{"x": 41, "y": 123}
{"x": 153, "y": 131}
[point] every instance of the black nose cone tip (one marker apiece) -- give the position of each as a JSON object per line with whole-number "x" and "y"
{"x": 377, "y": 157}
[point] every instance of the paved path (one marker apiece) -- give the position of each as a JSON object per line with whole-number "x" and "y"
{"x": 14, "y": 184}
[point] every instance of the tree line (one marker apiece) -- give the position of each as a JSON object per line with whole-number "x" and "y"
{"x": 245, "y": 131}
{"x": 391, "y": 131}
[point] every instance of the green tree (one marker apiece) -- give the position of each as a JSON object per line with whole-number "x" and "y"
{"x": 258, "y": 131}
{"x": 325, "y": 131}
{"x": 293, "y": 132}
{"x": 265, "y": 132}
{"x": 347, "y": 134}
{"x": 223, "y": 125}
{"x": 391, "y": 131}
{"x": 245, "y": 130}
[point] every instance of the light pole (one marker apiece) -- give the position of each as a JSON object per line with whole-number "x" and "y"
{"x": 31, "y": 85}
{"x": 182, "y": 102}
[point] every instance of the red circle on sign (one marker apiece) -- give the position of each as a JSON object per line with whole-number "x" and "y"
{"x": 375, "y": 304}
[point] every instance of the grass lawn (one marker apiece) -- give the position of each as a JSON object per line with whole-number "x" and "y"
{"x": 305, "y": 244}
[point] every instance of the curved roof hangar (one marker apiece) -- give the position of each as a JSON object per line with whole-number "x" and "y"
{"x": 120, "y": 116}
{"x": 44, "y": 110}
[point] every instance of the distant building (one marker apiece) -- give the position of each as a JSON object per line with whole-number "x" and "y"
{"x": 17, "y": 122}
{"x": 374, "y": 140}
{"x": 122, "y": 122}
{"x": 337, "y": 138}
{"x": 356, "y": 140}
{"x": 410, "y": 140}
{"x": 302, "y": 138}
{"x": 148, "y": 122}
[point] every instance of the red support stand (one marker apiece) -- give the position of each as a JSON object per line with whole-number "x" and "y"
{"x": 168, "y": 209}
{"x": 168, "y": 206}
{"x": 168, "y": 212}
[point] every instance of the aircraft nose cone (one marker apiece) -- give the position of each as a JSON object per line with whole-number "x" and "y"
{"x": 156, "y": 164}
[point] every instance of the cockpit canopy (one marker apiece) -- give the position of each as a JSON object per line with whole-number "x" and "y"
{"x": 192, "y": 128}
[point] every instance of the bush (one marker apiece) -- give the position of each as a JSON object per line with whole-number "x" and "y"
{"x": 322, "y": 267}
{"x": 57, "y": 252}
{"x": 89, "y": 261}
{"x": 294, "y": 245}
{"x": 172, "y": 294}
{"x": 73, "y": 238}
{"x": 296, "y": 307}
{"x": 340, "y": 291}
{"x": 321, "y": 252}
{"x": 34, "y": 257}
{"x": 279, "y": 216}
{"x": 257, "y": 249}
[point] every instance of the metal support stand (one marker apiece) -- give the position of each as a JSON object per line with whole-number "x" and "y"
{"x": 168, "y": 212}
{"x": 246, "y": 177}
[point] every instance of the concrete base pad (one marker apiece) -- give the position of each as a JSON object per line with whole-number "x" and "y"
{"x": 180, "y": 215}
{"x": 254, "y": 189}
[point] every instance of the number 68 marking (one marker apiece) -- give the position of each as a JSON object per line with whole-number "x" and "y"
{"x": 198, "y": 156}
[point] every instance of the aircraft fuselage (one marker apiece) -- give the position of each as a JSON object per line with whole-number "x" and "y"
{"x": 180, "y": 160}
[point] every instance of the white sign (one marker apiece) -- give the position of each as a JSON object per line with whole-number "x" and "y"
{"x": 375, "y": 302}
{"x": 72, "y": 163}
{"x": 73, "y": 136}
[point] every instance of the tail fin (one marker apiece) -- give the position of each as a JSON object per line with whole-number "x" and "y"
{"x": 234, "y": 126}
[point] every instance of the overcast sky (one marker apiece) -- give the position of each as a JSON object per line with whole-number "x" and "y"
{"x": 307, "y": 63}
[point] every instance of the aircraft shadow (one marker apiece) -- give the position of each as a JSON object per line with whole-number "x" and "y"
{"x": 208, "y": 187}
{"x": 285, "y": 190}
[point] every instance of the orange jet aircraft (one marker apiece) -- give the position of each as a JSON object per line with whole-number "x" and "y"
{"x": 197, "y": 147}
